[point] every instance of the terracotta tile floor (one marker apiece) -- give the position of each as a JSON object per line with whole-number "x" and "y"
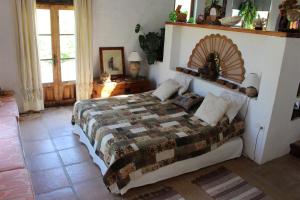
{"x": 62, "y": 169}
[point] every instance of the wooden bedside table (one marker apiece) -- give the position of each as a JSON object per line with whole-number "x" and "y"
{"x": 120, "y": 86}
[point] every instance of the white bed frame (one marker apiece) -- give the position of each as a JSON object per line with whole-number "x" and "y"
{"x": 230, "y": 150}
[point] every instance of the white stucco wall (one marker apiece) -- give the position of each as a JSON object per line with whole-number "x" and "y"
{"x": 9, "y": 78}
{"x": 262, "y": 54}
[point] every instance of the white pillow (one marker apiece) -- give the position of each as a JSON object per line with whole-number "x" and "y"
{"x": 236, "y": 103}
{"x": 212, "y": 109}
{"x": 166, "y": 89}
{"x": 184, "y": 81}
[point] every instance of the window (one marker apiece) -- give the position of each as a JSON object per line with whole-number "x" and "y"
{"x": 262, "y": 14}
{"x": 56, "y": 43}
{"x": 187, "y": 6}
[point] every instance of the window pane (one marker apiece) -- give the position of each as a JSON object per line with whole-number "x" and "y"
{"x": 66, "y": 22}
{"x": 43, "y": 21}
{"x": 68, "y": 70}
{"x": 47, "y": 71}
{"x": 45, "y": 47}
{"x": 67, "y": 46}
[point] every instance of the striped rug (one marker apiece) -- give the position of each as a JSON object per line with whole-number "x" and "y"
{"x": 222, "y": 184}
{"x": 165, "y": 193}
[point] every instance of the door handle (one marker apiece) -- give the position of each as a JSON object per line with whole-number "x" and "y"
{"x": 54, "y": 59}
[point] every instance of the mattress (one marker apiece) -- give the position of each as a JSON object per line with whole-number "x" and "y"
{"x": 230, "y": 150}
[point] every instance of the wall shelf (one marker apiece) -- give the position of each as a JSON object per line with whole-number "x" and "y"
{"x": 237, "y": 29}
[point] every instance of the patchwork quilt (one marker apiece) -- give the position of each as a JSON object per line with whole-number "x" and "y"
{"x": 138, "y": 134}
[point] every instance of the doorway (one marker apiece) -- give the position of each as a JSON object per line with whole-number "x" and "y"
{"x": 57, "y": 53}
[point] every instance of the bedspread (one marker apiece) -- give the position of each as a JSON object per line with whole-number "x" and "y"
{"x": 137, "y": 134}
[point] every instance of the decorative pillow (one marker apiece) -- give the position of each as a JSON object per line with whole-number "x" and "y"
{"x": 212, "y": 109}
{"x": 184, "y": 81}
{"x": 166, "y": 89}
{"x": 188, "y": 101}
{"x": 236, "y": 103}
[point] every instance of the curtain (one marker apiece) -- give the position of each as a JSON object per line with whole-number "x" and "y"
{"x": 261, "y": 5}
{"x": 28, "y": 59}
{"x": 84, "y": 49}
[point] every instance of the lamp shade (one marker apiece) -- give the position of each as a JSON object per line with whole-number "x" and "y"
{"x": 134, "y": 57}
{"x": 252, "y": 80}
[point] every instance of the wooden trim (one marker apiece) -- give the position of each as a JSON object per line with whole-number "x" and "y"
{"x": 240, "y": 30}
{"x": 56, "y": 6}
{"x": 101, "y": 49}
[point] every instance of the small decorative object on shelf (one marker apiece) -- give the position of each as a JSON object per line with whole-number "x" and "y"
{"x": 260, "y": 23}
{"x": 215, "y": 10}
{"x": 289, "y": 16}
{"x": 134, "y": 64}
{"x": 251, "y": 84}
{"x": 200, "y": 19}
{"x": 211, "y": 69}
{"x": 181, "y": 16}
{"x": 230, "y": 21}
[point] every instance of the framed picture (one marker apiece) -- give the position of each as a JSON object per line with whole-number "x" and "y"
{"x": 112, "y": 61}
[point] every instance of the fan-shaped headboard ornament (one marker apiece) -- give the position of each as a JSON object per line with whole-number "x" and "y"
{"x": 231, "y": 61}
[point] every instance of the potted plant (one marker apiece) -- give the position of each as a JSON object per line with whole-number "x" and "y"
{"x": 173, "y": 16}
{"x": 248, "y": 13}
{"x": 150, "y": 44}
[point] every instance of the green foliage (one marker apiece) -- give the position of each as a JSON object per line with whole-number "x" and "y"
{"x": 191, "y": 20}
{"x": 150, "y": 43}
{"x": 173, "y": 16}
{"x": 248, "y": 13}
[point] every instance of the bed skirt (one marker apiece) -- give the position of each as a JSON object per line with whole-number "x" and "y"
{"x": 230, "y": 150}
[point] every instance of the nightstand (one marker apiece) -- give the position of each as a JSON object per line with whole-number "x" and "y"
{"x": 121, "y": 86}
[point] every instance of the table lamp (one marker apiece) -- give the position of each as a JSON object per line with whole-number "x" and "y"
{"x": 251, "y": 84}
{"x": 134, "y": 64}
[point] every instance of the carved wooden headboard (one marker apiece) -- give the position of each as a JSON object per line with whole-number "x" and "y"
{"x": 231, "y": 61}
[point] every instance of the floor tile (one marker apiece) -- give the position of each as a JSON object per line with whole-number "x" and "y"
{"x": 38, "y": 147}
{"x": 74, "y": 155}
{"x": 44, "y": 161}
{"x": 49, "y": 180}
{"x": 61, "y": 194}
{"x": 61, "y": 132}
{"x": 83, "y": 171}
{"x": 66, "y": 142}
{"x": 93, "y": 190}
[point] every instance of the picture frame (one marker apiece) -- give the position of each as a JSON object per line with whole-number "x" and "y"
{"x": 112, "y": 61}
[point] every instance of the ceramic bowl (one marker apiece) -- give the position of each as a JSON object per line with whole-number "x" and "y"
{"x": 230, "y": 21}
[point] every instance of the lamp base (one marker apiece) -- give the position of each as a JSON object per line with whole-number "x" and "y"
{"x": 134, "y": 69}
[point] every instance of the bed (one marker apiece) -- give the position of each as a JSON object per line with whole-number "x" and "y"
{"x": 138, "y": 140}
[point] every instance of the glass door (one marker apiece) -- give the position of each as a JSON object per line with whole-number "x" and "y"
{"x": 56, "y": 44}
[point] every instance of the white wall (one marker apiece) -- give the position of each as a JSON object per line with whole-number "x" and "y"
{"x": 115, "y": 21}
{"x": 9, "y": 78}
{"x": 262, "y": 54}
{"x": 282, "y": 130}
